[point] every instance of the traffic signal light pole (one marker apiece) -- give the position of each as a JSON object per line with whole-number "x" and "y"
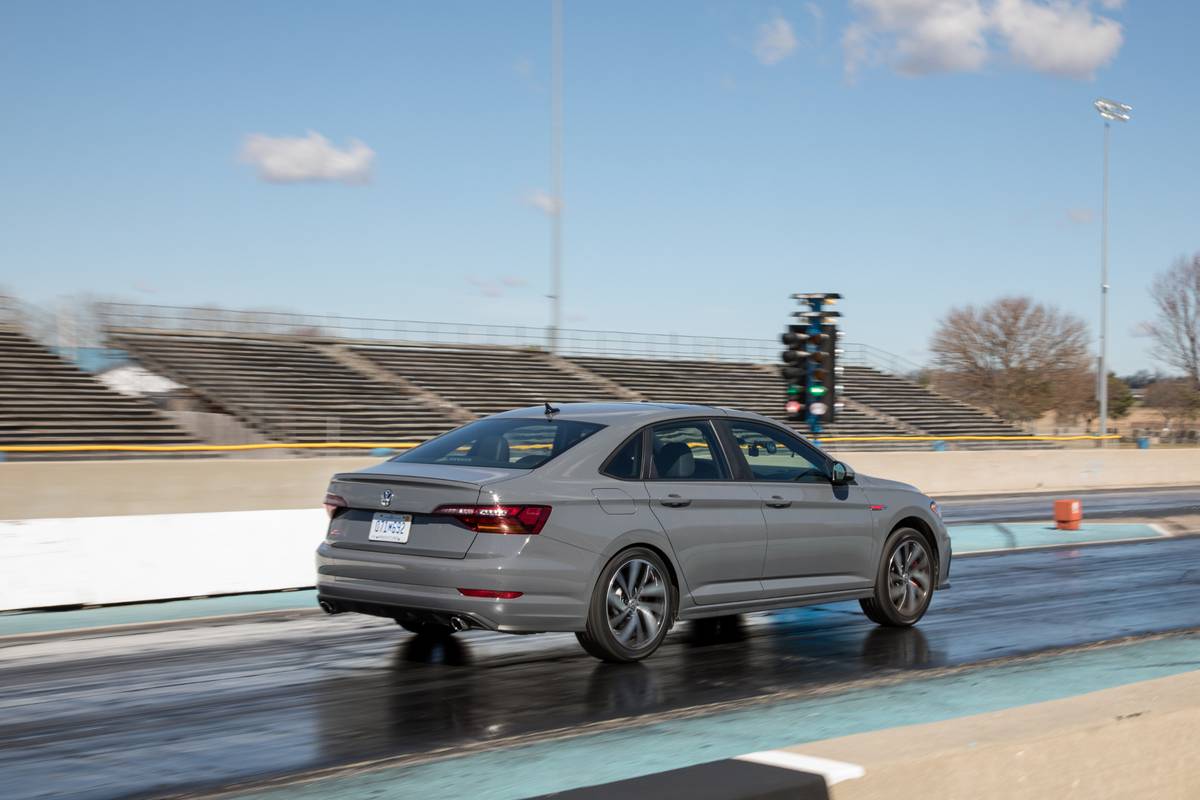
{"x": 810, "y": 362}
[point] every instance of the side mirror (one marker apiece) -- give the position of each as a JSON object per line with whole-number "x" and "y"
{"x": 840, "y": 473}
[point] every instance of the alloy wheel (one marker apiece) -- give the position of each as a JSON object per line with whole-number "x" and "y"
{"x": 637, "y": 603}
{"x": 909, "y": 577}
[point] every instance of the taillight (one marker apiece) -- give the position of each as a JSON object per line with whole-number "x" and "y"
{"x": 491, "y": 594}
{"x": 499, "y": 519}
{"x": 333, "y": 503}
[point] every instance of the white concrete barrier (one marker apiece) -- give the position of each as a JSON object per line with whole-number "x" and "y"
{"x": 122, "y": 559}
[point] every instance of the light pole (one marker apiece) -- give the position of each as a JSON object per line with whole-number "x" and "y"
{"x": 556, "y": 210}
{"x": 1111, "y": 111}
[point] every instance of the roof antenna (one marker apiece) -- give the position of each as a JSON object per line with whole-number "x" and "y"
{"x": 551, "y": 410}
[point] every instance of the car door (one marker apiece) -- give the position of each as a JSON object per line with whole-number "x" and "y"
{"x": 715, "y": 524}
{"x": 820, "y": 536}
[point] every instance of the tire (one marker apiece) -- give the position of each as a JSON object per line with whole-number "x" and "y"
{"x": 905, "y": 582}
{"x": 631, "y": 609}
{"x": 431, "y": 630}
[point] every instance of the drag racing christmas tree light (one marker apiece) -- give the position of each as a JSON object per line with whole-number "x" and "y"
{"x": 810, "y": 361}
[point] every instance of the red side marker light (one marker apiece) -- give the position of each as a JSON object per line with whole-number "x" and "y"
{"x": 878, "y": 508}
{"x": 490, "y": 594}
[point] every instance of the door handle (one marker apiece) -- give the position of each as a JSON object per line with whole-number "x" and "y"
{"x": 777, "y": 502}
{"x": 675, "y": 501}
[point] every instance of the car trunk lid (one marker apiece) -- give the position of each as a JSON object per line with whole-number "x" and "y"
{"x": 403, "y": 498}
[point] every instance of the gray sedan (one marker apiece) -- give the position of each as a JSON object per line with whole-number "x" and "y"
{"x": 615, "y": 520}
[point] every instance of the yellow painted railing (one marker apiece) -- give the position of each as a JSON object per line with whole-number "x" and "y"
{"x": 222, "y": 448}
{"x": 1090, "y": 437}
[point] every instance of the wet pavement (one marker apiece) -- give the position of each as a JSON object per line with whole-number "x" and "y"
{"x": 103, "y": 714}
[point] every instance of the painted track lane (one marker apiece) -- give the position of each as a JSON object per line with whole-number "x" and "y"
{"x": 101, "y": 715}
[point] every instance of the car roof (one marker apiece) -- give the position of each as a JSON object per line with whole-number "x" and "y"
{"x": 633, "y": 413}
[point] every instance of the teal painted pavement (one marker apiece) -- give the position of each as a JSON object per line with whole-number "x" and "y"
{"x": 18, "y": 623}
{"x": 1023, "y": 535}
{"x": 966, "y": 539}
{"x": 532, "y": 769}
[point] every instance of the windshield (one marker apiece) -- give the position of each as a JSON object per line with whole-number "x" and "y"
{"x": 506, "y": 443}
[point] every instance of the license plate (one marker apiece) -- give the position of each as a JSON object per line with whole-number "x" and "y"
{"x": 390, "y": 528}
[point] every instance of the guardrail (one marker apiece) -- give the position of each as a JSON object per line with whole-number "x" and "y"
{"x": 570, "y": 341}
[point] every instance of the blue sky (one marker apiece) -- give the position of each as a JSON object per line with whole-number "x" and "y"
{"x": 910, "y": 154}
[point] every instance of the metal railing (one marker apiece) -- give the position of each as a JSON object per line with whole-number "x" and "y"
{"x": 571, "y": 342}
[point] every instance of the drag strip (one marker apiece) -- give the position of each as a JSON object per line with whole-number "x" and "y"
{"x": 105, "y": 714}
{"x": 1096, "y": 504}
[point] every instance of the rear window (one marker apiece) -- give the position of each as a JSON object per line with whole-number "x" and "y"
{"x": 504, "y": 443}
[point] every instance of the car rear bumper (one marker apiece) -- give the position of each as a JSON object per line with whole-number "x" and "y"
{"x": 554, "y": 580}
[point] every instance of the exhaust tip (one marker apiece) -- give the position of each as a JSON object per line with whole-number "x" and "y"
{"x": 459, "y": 624}
{"x": 329, "y": 607}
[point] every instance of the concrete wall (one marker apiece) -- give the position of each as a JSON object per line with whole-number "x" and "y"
{"x": 984, "y": 471}
{"x": 102, "y": 488}
{"x": 51, "y": 489}
{"x": 123, "y": 531}
{"x": 69, "y": 561}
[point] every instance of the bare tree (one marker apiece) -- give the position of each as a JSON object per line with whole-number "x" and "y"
{"x": 1014, "y": 357}
{"x": 1075, "y": 398}
{"x": 1177, "y": 401}
{"x": 1176, "y": 331}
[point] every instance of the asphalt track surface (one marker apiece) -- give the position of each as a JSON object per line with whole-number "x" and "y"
{"x": 1111, "y": 504}
{"x": 196, "y": 706}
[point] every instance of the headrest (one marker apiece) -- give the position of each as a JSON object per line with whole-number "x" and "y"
{"x": 490, "y": 448}
{"x": 675, "y": 461}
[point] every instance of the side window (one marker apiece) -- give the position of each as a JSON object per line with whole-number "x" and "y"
{"x": 626, "y": 463}
{"x": 774, "y": 455}
{"x": 686, "y": 451}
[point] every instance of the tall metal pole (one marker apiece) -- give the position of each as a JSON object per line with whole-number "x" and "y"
{"x": 556, "y": 212}
{"x": 1102, "y": 374}
{"x": 1110, "y": 111}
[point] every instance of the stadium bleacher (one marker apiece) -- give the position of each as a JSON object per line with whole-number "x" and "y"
{"x": 286, "y": 389}
{"x": 487, "y": 380}
{"x": 921, "y": 408}
{"x": 752, "y": 387}
{"x": 300, "y": 384}
{"x": 45, "y": 400}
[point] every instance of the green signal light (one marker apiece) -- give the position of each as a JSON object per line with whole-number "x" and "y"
{"x": 816, "y": 391}
{"x": 793, "y": 390}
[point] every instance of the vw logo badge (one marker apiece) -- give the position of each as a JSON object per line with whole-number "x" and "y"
{"x": 385, "y": 499}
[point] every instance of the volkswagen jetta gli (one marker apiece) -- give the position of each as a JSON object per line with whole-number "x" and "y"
{"x": 616, "y": 520}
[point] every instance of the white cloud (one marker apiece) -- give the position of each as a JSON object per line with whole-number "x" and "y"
{"x": 1113, "y": 5}
{"x": 1062, "y": 37}
{"x": 496, "y": 287}
{"x": 919, "y": 37}
{"x": 486, "y": 288}
{"x": 817, "y": 16}
{"x": 286, "y": 159}
{"x": 543, "y": 201}
{"x": 775, "y": 41}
